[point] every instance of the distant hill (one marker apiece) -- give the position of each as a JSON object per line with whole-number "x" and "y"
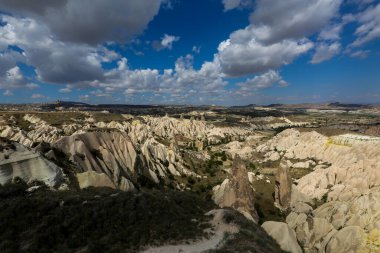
{"x": 337, "y": 104}
{"x": 244, "y": 106}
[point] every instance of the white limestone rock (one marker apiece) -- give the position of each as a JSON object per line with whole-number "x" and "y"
{"x": 283, "y": 235}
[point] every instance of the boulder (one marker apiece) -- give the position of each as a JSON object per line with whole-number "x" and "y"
{"x": 348, "y": 240}
{"x": 283, "y": 235}
{"x": 92, "y": 178}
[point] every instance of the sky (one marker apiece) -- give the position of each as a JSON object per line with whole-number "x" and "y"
{"x": 199, "y": 52}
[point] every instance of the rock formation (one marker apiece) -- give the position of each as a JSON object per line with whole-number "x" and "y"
{"x": 354, "y": 162}
{"x": 17, "y": 160}
{"x": 283, "y": 186}
{"x": 283, "y": 235}
{"x": 114, "y": 154}
{"x": 110, "y": 153}
{"x": 236, "y": 191}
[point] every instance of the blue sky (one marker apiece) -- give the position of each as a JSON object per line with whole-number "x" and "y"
{"x": 225, "y": 52}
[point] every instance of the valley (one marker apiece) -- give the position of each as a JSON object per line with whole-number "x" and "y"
{"x": 216, "y": 177}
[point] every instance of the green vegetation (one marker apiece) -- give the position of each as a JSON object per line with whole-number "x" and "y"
{"x": 252, "y": 167}
{"x": 19, "y": 121}
{"x": 97, "y": 220}
{"x": 57, "y": 119}
{"x": 264, "y": 201}
{"x": 6, "y": 144}
{"x": 108, "y": 117}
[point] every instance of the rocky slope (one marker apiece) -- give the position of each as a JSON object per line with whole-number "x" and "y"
{"x": 345, "y": 175}
{"x": 123, "y": 162}
{"x": 354, "y": 162}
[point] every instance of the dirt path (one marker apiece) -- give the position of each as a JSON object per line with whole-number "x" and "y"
{"x": 220, "y": 228}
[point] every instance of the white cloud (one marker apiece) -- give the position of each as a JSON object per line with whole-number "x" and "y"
{"x": 283, "y": 83}
{"x": 196, "y": 49}
{"x": 168, "y": 40}
{"x": 331, "y": 32}
{"x": 165, "y": 43}
{"x": 84, "y": 97}
{"x": 234, "y": 4}
{"x": 13, "y": 78}
{"x": 8, "y": 93}
{"x": 88, "y": 21}
{"x": 38, "y": 96}
{"x": 72, "y": 62}
{"x": 67, "y": 89}
{"x": 369, "y": 28}
{"x": 242, "y": 54}
{"x": 261, "y": 81}
{"x": 32, "y": 86}
{"x": 291, "y": 19}
{"x": 361, "y": 54}
{"x": 325, "y": 52}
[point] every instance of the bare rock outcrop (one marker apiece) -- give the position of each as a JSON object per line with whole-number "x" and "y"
{"x": 114, "y": 154}
{"x": 111, "y": 153}
{"x": 95, "y": 179}
{"x": 19, "y": 161}
{"x": 236, "y": 191}
{"x": 348, "y": 239}
{"x": 354, "y": 160}
{"x": 325, "y": 229}
{"x": 283, "y": 235}
{"x": 283, "y": 186}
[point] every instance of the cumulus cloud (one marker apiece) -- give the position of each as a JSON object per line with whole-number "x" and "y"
{"x": 57, "y": 32}
{"x": 13, "y": 78}
{"x": 278, "y": 34}
{"x": 369, "y": 28}
{"x": 196, "y": 49}
{"x": 88, "y": 21}
{"x": 67, "y": 89}
{"x": 8, "y": 93}
{"x": 292, "y": 19}
{"x": 32, "y": 86}
{"x": 283, "y": 83}
{"x": 166, "y": 42}
{"x": 38, "y": 96}
{"x": 242, "y": 54}
{"x": 261, "y": 81}
{"x": 233, "y": 4}
{"x": 179, "y": 80}
{"x": 72, "y": 62}
{"x": 325, "y": 52}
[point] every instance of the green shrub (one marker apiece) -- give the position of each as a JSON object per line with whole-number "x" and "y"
{"x": 97, "y": 220}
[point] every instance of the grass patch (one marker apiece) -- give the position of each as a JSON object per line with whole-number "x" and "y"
{"x": 108, "y": 117}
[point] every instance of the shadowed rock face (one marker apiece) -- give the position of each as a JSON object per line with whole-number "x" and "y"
{"x": 110, "y": 153}
{"x": 236, "y": 191}
{"x": 114, "y": 155}
{"x": 283, "y": 187}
